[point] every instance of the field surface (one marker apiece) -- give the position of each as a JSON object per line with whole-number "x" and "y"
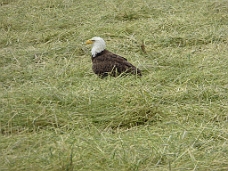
{"x": 55, "y": 114}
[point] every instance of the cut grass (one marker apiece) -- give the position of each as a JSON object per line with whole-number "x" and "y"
{"x": 57, "y": 115}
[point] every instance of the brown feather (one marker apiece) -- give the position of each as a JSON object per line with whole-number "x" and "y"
{"x": 107, "y": 63}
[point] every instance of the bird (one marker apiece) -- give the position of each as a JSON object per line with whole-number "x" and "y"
{"x": 105, "y": 63}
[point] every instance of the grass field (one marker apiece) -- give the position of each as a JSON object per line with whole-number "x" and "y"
{"x": 55, "y": 114}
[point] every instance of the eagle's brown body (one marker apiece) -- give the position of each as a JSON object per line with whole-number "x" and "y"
{"x": 106, "y": 63}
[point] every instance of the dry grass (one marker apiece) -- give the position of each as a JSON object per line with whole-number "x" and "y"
{"x": 57, "y": 115}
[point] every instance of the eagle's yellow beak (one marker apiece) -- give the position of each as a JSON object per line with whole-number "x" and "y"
{"x": 89, "y": 42}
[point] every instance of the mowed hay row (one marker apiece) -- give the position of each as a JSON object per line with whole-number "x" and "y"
{"x": 56, "y": 114}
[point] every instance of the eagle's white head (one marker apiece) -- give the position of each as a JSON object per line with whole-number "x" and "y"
{"x": 98, "y": 45}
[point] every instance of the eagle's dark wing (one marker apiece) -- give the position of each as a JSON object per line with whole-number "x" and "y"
{"x": 109, "y": 63}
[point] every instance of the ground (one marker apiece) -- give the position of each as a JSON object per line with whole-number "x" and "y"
{"x": 56, "y": 114}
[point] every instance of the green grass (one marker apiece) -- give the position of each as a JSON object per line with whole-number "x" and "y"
{"x": 55, "y": 114}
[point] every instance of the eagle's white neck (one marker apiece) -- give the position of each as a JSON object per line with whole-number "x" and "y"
{"x": 98, "y": 46}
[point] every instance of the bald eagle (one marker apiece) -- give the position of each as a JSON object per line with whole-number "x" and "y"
{"x": 107, "y": 63}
